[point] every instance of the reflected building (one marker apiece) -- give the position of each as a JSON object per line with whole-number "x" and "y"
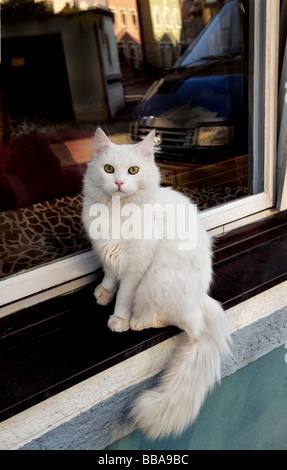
{"x": 63, "y": 66}
{"x": 148, "y": 34}
{"x": 161, "y": 31}
{"x": 59, "y": 5}
{"x": 128, "y": 34}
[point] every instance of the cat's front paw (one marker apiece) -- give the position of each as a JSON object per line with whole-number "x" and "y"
{"x": 118, "y": 324}
{"x": 103, "y": 296}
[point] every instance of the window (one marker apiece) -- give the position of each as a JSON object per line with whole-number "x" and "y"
{"x": 157, "y": 18}
{"x": 123, "y": 51}
{"x": 167, "y": 19}
{"x": 134, "y": 18}
{"x": 116, "y": 17}
{"x": 176, "y": 18}
{"x": 123, "y": 17}
{"x": 221, "y": 151}
{"x": 167, "y": 53}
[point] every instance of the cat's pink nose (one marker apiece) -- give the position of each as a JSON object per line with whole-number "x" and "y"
{"x": 119, "y": 184}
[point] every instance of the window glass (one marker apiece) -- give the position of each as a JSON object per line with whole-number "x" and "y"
{"x": 178, "y": 66}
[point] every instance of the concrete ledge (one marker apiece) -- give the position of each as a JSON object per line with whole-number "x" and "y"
{"x": 92, "y": 414}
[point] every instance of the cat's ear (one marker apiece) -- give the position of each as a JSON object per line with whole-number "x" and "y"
{"x": 146, "y": 146}
{"x": 101, "y": 143}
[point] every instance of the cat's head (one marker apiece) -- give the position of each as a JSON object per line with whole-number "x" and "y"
{"x": 122, "y": 170}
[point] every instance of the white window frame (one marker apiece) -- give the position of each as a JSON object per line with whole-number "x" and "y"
{"x": 78, "y": 269}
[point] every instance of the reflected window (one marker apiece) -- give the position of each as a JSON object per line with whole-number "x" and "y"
{"x": 123, "y": 17}
{"x": 134, "y": 18}
{"x": 176, "y": 18}
{"x": 167, "y": 19}
{"x": 157, "y": 17}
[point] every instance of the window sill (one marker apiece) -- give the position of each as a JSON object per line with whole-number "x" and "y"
{"x": 61, "y": 350}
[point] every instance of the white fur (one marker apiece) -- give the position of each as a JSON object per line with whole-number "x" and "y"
{"x": 157, "y": 285}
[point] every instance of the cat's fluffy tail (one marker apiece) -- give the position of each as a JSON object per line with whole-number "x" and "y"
{"x": 194, "y": 368}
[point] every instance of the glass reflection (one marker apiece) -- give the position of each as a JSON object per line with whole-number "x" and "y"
{"x": 128, "y": 66}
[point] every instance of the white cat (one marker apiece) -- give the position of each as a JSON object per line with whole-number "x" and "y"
{"x": 157, "y": 283}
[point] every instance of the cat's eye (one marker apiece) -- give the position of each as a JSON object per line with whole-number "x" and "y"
{"x": 133, "y": 170}
{"x": 109, "y": 168}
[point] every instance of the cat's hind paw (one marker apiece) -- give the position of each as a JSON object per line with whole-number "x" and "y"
{"x": 103, "y": 296}
{"x": 138, "y": 324}
{"x": 118, "y": 324}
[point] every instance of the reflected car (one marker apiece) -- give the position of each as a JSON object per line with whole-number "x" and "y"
{"x": 199, "y": 109}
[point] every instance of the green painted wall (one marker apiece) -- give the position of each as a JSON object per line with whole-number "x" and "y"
{"x": 248, "y": 411}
